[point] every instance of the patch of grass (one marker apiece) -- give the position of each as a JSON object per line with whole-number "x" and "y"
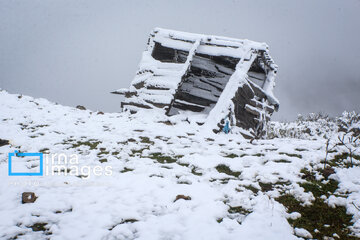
{"x": 126, "y": 170}
{"x": 341, "y": 156}
{"x": 62, "y": 170}
{"x": 23, "y": 126}
{"x": 102, "y": 152}
{"x": 44, "y": 150}
{"x": 291, "y": 154}
{"x": 282, "y": 161}
{"x": 91, "y": 143}
{"x": 162, "y": 138}
{"x": 307, "y": 175}
{"x": 184, "y": 182}
{"x": 156, "y": 175}
{"x": 166, "y": 167}
{"x": 222, "y": 168}
{"x": 259, "y": 155}
{"x": 317, "y": 216}
{"x": 130, "y": 220}
{"x": 282, "y": 183}
{"x": 251, "y": 188}
{"x": 271, "y": 149}
{"x": 339, "y": 160}
{"x": 146, "y": 140}
{"x": 16, "y": 236}
{"x": 138, "y": 151}
{"x": 166, "y": 122}
{"x": 40, "y": 227}
{"x": 222, "y": 180}
{"x": 41, "y": 126}
{"x": 66, "y": 211}
{"x": 327, "y": 220}
{"x": 82, "y": 176}
{"x": 231, "y": 155}
{"x": 318, "y": 188}
{"x": 265, "y": 187}
{"x": 183, "y": 164}
{"x": 225, "y": 180}
{"x": 194, "y": 171}
{"x": 238, "y": 209}
{"x": 163, "y": 158}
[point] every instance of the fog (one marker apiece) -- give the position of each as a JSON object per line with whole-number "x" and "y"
{"x": 76, "y": 52}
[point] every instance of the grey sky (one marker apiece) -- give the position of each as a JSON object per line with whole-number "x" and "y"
{"x": 76, "y": 51}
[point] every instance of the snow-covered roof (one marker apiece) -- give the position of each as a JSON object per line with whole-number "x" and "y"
{"x": 209, "y": 44}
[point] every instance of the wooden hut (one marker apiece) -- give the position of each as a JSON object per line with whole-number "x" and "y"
{"x": 224, "y": 79}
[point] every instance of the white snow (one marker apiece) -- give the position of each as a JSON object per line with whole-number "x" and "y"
{"x": 137, "y": 200}
{"x": 301, "y": 232}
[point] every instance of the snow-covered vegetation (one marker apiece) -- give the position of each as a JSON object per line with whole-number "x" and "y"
{"x": 171, "y": 179}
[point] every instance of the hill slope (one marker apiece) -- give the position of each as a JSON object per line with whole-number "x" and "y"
{"x": 163, "y": 178}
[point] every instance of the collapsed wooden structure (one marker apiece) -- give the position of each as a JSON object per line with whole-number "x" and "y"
{"x": 224, "y": 79}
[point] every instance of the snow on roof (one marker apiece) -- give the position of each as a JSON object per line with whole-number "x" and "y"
{"x": 210, "y": 44}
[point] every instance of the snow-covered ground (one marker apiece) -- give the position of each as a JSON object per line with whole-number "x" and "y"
{"x": 231, "y": 189}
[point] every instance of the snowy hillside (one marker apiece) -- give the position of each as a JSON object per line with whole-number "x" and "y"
{"x": 166, "y": 178}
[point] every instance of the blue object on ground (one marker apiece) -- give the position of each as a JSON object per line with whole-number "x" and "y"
{"x": 226, "y": 128}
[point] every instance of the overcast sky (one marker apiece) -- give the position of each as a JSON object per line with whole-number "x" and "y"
{"x": 75, "y": 52}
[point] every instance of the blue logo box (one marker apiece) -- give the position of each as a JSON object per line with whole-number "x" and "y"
{"x": 18, "y": 154}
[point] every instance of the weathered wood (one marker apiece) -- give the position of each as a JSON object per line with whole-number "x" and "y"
{"x": 165, "y": 54}
{"x": 135, "y": 104}
{"x": 204, "y": 82}
{"x": 139, "y": 85}
{"x": 184, "y": 106}
{"x": 156, "y": 104}
{"x": 250, "y": 102}
{"x": 153, "y": 87}
{"x": 252, "y": 110}
{"x": 190, "y": 74}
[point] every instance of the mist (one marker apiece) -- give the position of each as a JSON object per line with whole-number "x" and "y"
{"x": 77, "y": 52}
